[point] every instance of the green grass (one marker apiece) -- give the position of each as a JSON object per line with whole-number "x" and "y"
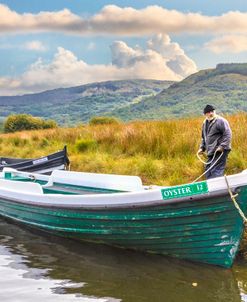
{"x": 160, "y": 152}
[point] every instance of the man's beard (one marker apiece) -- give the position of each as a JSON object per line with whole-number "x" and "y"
{"x": 210, "y": 118}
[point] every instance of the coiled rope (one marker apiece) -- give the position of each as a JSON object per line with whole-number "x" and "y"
{"x": 207, "y": 163}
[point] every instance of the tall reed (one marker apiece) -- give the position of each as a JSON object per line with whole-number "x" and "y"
{"x": 161, "y": 152}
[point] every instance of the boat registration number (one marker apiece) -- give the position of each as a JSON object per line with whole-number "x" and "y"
{"x": 40, "y": 160}
{"x": 185, "y": 190}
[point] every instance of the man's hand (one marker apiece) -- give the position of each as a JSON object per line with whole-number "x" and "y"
{"x": 200, "y": 151}
{"x": 219, "y": 149}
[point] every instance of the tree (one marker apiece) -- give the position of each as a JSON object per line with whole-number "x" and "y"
{"x": 101, "y": 120}
{"x": 20, "y": 122}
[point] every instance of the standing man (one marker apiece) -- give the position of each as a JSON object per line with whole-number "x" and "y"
{"x": 216, "y": 142}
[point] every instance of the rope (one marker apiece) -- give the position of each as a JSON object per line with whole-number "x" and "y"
{"x": 204, "y": 162}
{"x": 241, "y": 213}
{"x": 233, "y": 197}
{"x": 32, "y": 177}
{"x": 207, "y": 164}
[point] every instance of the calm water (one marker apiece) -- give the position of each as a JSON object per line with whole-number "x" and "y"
{"x": 38, "y": 267}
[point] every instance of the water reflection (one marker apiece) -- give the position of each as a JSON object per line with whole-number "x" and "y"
{"x": 240, "y": 274}
{"x": 48, "y": 268}
{"x": 20, "y": 283}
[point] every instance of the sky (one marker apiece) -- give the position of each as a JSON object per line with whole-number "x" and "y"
{"x": 50, "y": 44}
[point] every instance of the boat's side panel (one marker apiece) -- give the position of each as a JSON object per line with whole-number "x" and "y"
{"x": 58, "y": 160}
{"x": 207, "y": 230}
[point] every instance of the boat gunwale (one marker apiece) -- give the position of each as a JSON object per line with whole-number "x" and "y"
{"x": 103, "y": 206}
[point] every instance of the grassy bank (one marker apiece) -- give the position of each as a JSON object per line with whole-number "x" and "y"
{"x": 163, "y": 153}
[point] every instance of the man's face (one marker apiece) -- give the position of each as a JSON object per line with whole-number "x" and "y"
{"x": 210, "y": 115}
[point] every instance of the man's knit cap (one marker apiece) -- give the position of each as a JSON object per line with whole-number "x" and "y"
{"x": 208, "y": 108}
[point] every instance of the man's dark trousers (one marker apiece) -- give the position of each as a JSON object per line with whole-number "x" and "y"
{"x": 219, "y": 168}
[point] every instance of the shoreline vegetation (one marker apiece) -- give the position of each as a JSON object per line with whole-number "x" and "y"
{"x": 160, "y": 152}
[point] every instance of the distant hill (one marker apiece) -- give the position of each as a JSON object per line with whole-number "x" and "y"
{"x": 69, "y": 106}
{"x": 225, "y": 87}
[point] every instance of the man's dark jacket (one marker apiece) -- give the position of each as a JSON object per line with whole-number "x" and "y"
{"x": 216, "y": 133}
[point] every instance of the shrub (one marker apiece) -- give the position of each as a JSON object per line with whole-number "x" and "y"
{"x": 17, "y": 141}
{"x": 85, "y": 144}
{"x": 48, "y": 124}
{"x": 100, "y": 120}
{"x": 19, "y": 122}
{"x": 44, "y": 143}
{"x": 1, "y": 126}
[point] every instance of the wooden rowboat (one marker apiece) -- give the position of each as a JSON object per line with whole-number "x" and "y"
{"x": 198, "y": 221}
{"x": 45, "y": 164}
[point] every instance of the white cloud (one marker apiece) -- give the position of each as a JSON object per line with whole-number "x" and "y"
{"x": 114, "y": 20}
{"x": 35, "y": 45}
{"x": 125, "y": 56}
{"x": 11, "y": 21}
{"x": 161, "y": 57}
{"x": 228, "y": 43}
{"x": 173, "y": 54}
{"x": 91, "y": 46}
{"x": 161, "y": 60}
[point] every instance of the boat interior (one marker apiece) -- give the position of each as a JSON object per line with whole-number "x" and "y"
{"x": 70, "y": 183}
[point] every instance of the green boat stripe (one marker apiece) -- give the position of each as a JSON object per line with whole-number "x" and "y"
{"x": 203, "y": 252}
{"x": 154, "y": 213}
{"x": 189, "y": 245}
{"x": 151, "y": 229}
{"x": 115, "y": 239}
{"x": 121, "y": 224}
{"x": 143, "y": 240}
{"x": 142, "y": 236}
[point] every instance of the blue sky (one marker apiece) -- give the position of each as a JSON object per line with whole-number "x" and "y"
{"x": 91, "y": 6}
{"x": 62, "y": 43}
